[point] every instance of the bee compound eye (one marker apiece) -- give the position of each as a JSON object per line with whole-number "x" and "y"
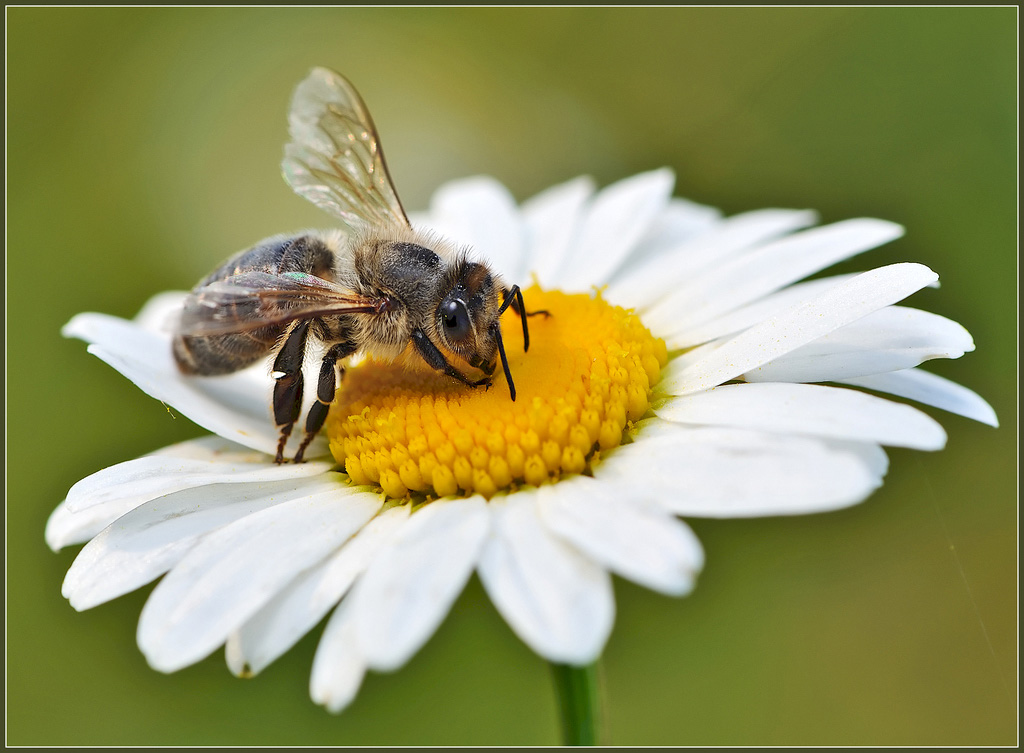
{"x": 455, "y": 319}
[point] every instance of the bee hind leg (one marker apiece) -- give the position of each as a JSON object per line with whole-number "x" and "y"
{"x": 327, "y": 384}
{"x": 288, "y": 384}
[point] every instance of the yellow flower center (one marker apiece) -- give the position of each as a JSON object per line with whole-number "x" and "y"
{"x": 587, "y": 375}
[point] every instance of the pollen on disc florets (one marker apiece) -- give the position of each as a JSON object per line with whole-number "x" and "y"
{"x": 588, "y": 373}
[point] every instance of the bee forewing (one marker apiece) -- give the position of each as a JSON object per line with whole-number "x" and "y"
{"x": 335, "y": 158}
{"x": 252, "y": 300}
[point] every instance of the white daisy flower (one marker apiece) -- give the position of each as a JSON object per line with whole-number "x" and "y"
{"x": 679, "y": 375}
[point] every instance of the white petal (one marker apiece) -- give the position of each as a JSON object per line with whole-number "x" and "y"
{"x": 638, "y": 541}
{"x": 747, "y": 316}
{"x": 890, "y": 339}
{"x": 618, "y": 217}
{"x": 872, "y": 456}
{"x": 198, "y": 462}
{"x": 808, "y": 409}
{"x": 64, "y": 528}
{"x": 160, "y": 313}
{"x": 644, "y": 284}
{"x": 677, "y": 368}
{"x": 786, "y": 332}
{"x": 558, "y": 601}
{"x": 733, "y": 473}
{"x": 412, "y": 583}
{"x": 930, "y": 389}
{"x": 553, "y": 219}
{"x": 102, "y": 498}
{"x": 482, "y": 213}
{"x": 237, "y": 569}
{"x": 679, "y": 222}
{"x": 230, "y": 406}
{"x": 151, "y": 539}
{"x": 338, "y": 667}
{"x": 750, "y": 276}
{"x": 295, "y": 611}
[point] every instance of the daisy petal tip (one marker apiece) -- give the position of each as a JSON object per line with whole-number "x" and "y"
{"x": 897, "y": 230}
{"x": 926, "y": 433}
{"x": 411, "y": 585}
{"x": 74, "y": 601}
{"x": 938, "y": 440}
{"x": 651, "y": 184}
{"x": 578, "y": 655}
{"x": 665, "y": 177}
{"x": 582, "y": 186}
{"x": 338, "y": 666}
{"x": 332, "y": 699}
{"x": 56, "y": 532}
{"x": 808, "y": 217}
{"x": 160, "y": 661}
{"x": 170, "y": 653}
{"x": 883, "y": 230}
{"x": 683, "y": 587}
{"x": 917, "y": 271}
{"x": 81, "y": 593}
{"x": 73, "y": 326}
{"x": 83, "y": 326}
{"x": 681, "y": 583}
{"x": 931, "y": 389}
{"x": 234, "y": 657}
{"x": 988, "y": 416}
{"x": 689, "y": 571}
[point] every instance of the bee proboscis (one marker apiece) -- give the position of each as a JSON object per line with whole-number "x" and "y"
{"x": 372, "y": 289}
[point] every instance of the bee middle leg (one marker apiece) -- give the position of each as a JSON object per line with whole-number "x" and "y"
{"x": 327, "y": 385}
{"x": 288, "y": 384}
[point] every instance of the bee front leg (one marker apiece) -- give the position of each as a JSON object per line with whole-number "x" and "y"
{"x": 327, "y": 384}
{"x": 435, "y": 359}
{"x": 288, "y": 384}
{"x": 514, "y": 297}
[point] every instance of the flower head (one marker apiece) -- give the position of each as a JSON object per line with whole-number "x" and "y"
{"x": 678, "y": 374}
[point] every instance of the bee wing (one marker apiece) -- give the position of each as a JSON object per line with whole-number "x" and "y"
{"x": 251, "y": 300}
{"x": 334, "y": 158}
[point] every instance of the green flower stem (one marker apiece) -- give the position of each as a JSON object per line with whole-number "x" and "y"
{"x": 578, "y": 697}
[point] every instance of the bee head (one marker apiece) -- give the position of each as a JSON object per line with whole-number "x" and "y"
{"x": 467, "y": 317}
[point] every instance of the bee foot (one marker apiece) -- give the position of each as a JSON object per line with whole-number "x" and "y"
{"x": 282, "y": 440}
{"x": 302, "y": 448}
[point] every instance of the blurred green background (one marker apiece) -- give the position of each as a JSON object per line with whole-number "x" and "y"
{"x": 143, "y": 147}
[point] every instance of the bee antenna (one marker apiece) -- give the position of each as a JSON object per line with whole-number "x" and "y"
{"x": 504, "y": 360}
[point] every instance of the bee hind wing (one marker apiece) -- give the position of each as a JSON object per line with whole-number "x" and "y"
{"x": 334, "y": 158}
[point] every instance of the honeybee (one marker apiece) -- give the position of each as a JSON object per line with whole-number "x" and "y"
{"x": 372, "y": 289}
